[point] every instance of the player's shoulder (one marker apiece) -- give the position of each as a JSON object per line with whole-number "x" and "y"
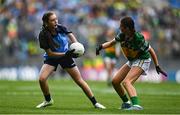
{"x": 138, "y": 35}
{"x": 60, "y": 26}
{"x": 139, "y": 38}
{"x": 120, "y": 37}
{"x": 43, "y": 33}
{"x": 62, "y": 29}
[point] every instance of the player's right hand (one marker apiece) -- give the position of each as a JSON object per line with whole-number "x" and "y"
{"x": 98, "y": 49}
{"x": 70, "y": 53}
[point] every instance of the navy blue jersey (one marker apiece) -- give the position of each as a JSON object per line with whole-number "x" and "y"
{"x": 57, "y": 43}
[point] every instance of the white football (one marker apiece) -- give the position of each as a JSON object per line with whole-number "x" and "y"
{"x": 79, "y": 48}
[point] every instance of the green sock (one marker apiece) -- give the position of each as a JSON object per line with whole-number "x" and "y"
{"x": 134, "y": 100}
{"x": 124, "y": 98}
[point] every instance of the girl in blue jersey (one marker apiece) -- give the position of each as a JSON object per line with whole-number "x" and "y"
{"x": 53, "y": 38}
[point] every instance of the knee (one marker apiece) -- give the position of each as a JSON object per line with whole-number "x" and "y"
{"x": 126, "y": 83}
{"x": 42, "y": 79}
{"x": 115, "y": 82}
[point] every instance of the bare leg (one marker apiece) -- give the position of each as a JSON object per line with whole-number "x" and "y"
{"x": 46, "y": 70}
{"x": 76, "y": 76}
{"x": 118, "y": 78}
{"x": 131, "y": 77}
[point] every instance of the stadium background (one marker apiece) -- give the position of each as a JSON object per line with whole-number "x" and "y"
{"x": 20, "y": 23}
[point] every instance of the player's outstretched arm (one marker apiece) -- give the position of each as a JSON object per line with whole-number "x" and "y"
{"x": 104, "y": 46}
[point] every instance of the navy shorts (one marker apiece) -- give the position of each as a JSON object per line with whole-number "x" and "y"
{"x": 65, "y": 62}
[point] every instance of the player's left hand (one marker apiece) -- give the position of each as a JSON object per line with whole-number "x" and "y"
{"x": 159, "y": 70}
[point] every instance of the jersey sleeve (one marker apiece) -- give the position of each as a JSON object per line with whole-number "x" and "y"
{"x": 43, "y": 41}
{"x": 143, "y": 44}
{"x": 119, "y": 37}
{"x": 63, "y": 29}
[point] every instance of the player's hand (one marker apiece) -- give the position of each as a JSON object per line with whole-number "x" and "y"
{"x": 70, "y": 53}
{"x": 98, "y": 49}
{"x": 159, "y": 70}
{"x": 75, "y": 55}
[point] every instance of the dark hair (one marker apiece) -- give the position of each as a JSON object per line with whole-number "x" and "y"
{"x": 46, "y": 31}
{"x": 45, "y": 17}
{"x": 128, "y": 22}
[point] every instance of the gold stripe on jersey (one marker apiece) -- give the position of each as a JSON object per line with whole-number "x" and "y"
{"x": 129, "y": 52}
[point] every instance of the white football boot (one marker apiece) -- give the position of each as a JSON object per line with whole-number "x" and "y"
{"x": 45, "y": 104}
{"x": 99, "y": 106}
{"x": 135, "y": 107}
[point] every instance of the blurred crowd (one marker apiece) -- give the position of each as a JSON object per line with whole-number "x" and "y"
{"x": 20, "y": 23}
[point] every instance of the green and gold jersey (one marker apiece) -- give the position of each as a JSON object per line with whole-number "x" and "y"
{"x": 135, "y": 48}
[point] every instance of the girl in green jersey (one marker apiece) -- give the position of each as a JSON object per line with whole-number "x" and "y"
{"x": 138, "y": 52}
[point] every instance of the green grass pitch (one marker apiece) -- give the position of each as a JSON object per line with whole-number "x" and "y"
{"x": 21, "y": 97}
